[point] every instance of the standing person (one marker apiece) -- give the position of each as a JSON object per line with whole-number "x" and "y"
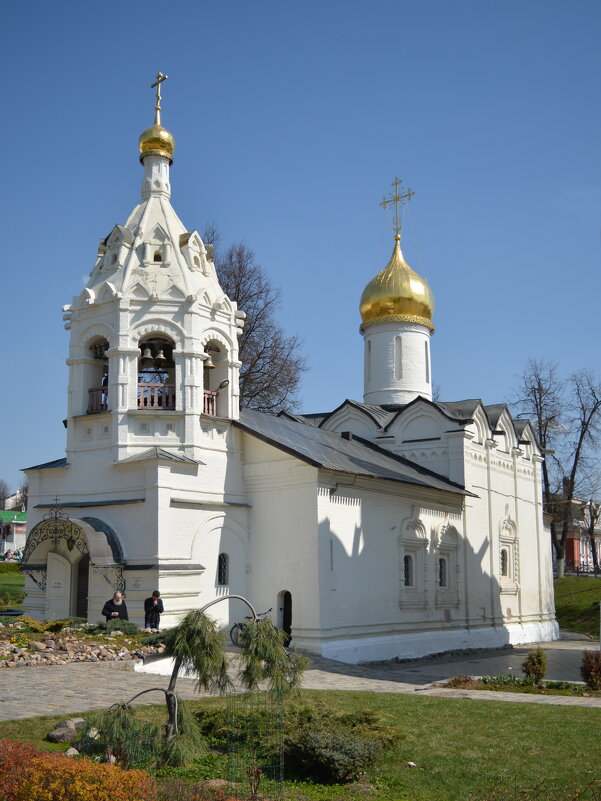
{"x": 115, "y": 608}
{"x": 153, "y": 608}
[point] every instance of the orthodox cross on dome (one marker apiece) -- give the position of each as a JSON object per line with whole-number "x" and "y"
{"x": 397, "y": 198}
{"x": 157, "y": 108}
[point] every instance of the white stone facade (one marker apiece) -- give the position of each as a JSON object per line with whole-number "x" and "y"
{"x": 425, "y": 535}
{"x": 397, "y": 363}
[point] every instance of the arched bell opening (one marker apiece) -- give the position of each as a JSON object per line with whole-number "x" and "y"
{"x": 96, "y": 375}
{"x": 216, "y": 379}
{"x": 156, "y": 373}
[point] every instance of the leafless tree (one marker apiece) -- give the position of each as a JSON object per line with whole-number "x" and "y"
{"x": 272, "y": 361}
{"x": 566, "y": 416}
{"x": 591, "y": 512}
{"x": 5, "y": 493}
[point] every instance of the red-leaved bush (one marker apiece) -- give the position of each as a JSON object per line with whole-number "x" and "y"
{"x": 27, "y": 774}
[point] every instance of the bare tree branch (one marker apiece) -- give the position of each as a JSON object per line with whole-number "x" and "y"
{"x": 566, "y": 417}
{"x": 272, "y": 362}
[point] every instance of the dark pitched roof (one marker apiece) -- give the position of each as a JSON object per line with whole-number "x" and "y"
{"x": 155, "y": 452}
{"x": 494, "y": 412}
{"x": 333, "y": 451}
{"x": 49, "y": 465}
{"x": 381, "y": 415}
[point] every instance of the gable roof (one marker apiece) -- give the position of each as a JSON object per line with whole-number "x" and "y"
{"x": 333, "y": 451}
{"x": 156, "y": 452}
{"x": 48, "y": 465}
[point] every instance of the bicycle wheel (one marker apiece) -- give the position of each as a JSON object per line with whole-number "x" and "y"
{"x": 235, "y": 635}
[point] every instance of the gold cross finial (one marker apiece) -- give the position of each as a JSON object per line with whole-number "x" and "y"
{"x": 397, "y": 198}
{"x": 157, "y": 108}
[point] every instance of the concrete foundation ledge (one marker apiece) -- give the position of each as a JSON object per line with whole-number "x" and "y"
{"x": 418, "y": 644}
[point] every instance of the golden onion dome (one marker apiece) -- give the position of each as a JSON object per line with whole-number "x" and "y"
{"x": 156, "y": 141}
{"x": 397, "y": 294}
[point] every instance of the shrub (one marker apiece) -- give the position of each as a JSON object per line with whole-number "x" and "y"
{"x": 122, "y": 735}
{"x": 318, "y": 743}
{"x": 9, "y": 567}
{"x": 535, "y": 664}
{"x": 590, "y": 669}
{"x": 33, "y": 624}
{"x": 27, "y": 774}
{"x": 56, "y": 777}
{"x": 126, "y": 626}
{"x": 15, "y": 758}
{"x": 154, "y": 639}
{"x": 331, "y": 756}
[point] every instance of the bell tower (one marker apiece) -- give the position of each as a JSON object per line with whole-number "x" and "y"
{"x": 153, "y": 339}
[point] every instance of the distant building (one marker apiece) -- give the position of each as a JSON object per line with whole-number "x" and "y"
{"x": 13, "y": 528}
{"x": 395, "y": 526}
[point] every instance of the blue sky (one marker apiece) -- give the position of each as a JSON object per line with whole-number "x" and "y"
{"x": 291, "y": 120}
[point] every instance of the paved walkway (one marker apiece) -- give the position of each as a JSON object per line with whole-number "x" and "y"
{"x": 68, "y": 689}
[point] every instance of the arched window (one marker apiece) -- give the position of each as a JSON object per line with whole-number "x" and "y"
{"x": 408, "y": 570}
{"x": 442, "y": 572}
{"x": 504, "y": 562}
{"x": 158, "y": 256}
{"x": 223, "y": 569}
{"x": 398, "y": 357}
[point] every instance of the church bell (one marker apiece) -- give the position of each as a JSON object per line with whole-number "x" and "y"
{"x": 209, "y": 363}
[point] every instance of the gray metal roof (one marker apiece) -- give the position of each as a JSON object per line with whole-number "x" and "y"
{"x": 333, "y": 451}
{"x": 160, "y": 453}
{"x": 48, "y": 465}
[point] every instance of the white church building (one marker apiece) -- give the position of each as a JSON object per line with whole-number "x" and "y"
{"x": 396, "y": 526}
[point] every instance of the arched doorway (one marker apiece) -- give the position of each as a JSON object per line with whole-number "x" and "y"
{"x": 72, "y": 565}
{"x": 285, "y": 612}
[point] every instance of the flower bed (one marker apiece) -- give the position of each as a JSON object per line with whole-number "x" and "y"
{"x": 26, "y": 642}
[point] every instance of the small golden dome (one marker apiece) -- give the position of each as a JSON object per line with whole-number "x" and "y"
{"x": 397, "y": 294}
{"x": 156, "y": 141}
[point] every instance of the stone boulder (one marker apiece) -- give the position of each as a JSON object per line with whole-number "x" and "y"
{"x": 64, "y": 734}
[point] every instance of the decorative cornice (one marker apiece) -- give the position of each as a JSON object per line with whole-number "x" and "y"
{"x": 399, "y": 318}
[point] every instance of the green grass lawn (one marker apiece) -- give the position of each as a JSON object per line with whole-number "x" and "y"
{"x": 11, "y": 586}
{"x": 577, "y": 604}
{"x": 463, "y": 749}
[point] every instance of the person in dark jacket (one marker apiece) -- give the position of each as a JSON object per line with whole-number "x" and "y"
{"x": 153, "y": 608}
{"x": 115, "y": 608}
